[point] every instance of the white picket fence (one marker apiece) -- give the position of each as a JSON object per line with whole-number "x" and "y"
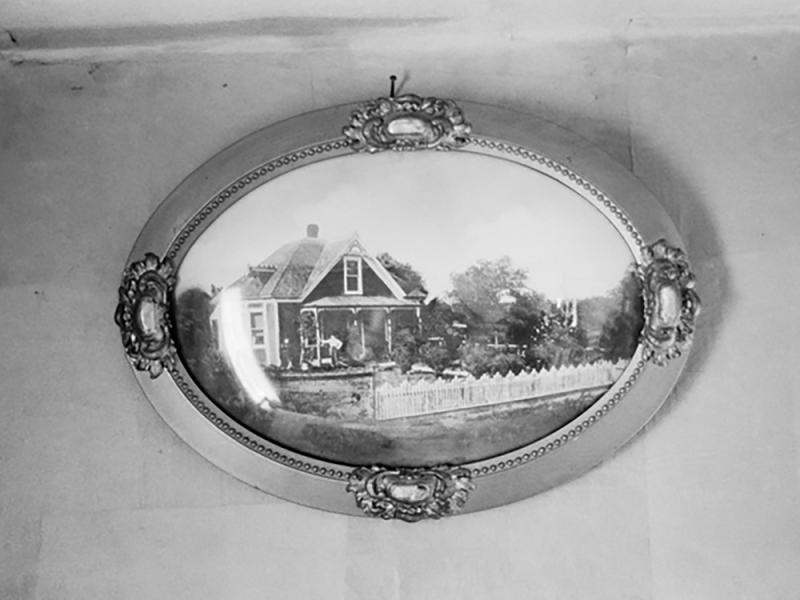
{"x": 426, "y": 397}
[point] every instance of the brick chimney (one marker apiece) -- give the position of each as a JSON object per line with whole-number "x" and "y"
{"x": 312, "y": 230}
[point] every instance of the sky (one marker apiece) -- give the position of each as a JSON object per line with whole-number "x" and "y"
{"x": 441, "y": 212}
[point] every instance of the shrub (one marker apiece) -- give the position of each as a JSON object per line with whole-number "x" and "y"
{"x": 479, "y": 359}
{"x": 404, "y": 349}
{"x": 435, "y": 356}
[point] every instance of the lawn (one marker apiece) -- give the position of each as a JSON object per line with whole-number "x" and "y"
{"x": 453, "y": 437}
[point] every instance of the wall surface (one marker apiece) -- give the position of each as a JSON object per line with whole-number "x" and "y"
{"x": 99, "y": 499}
{"x": 544, "y": 15}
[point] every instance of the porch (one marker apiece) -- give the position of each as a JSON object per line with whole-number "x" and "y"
{"x": 341, "y": 330}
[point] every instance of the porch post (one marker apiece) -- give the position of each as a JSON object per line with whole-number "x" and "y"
{"x": 388, "y": 330}
{"x": 302, "y": 337}
{"x": 363, "y": 337}
{"x": 316, "y": 329}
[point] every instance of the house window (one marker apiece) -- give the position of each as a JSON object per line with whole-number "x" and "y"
{"x": 257, "y": 328}
{"x": 352, "y": 276}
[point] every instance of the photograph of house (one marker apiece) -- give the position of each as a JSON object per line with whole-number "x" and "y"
{"x": 370, "y": 310}
{"x": 328, "y": 329}
{"x": 314, "y": 303}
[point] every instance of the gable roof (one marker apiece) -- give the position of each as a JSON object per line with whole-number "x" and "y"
{"x": 337, "y": 252}
{"x": 295, "y": 269}
{"x": 330, "y": 255}
{"x": 295, "y": 262}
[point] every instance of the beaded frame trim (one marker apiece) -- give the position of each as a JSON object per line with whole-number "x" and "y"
{"x": 341, "y": 147}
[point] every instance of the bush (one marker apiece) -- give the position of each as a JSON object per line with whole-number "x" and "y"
{"x": 404, "y": 349}
{"x": 435, "y": 356}
{"x": 479, "y": 359}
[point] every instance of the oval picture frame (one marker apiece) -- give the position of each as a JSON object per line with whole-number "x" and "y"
{"x": 368, "y": 485}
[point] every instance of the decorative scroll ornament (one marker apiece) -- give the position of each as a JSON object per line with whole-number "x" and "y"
{"x": 143, "y": 314}
{"x": 410, "y": 494}
{"x": 407, "y": 122}
{"x": 670, "y": 302}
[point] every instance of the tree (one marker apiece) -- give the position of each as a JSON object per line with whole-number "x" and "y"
{"x": 620, "y": 334}
{"x": 415, "y": 344}
{"x": 559, "y": 343}
{"x": 499, "y": 306}
{"x": 593, "y": 313}
{"x": 193, "y": 324}
{"x": 198, "y": 349}
{"x": 482, "y": 293}
{"x": 438, "y": 320}
{"x": 527, "y": 319}
{"x": 405, "y": 275}
{"x": 435, "y": 342}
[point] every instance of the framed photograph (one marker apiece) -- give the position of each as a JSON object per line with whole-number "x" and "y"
{"x": 408, "y": 307}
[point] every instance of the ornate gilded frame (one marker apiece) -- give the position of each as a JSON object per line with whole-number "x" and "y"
{"x": 408, "y": 123}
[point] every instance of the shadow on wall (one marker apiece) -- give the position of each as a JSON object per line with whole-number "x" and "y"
{"x": 684, "y": 205}
{"x": 686, "y": 208}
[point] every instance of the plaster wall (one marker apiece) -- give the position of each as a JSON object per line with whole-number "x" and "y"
{"x": 545, "y": 15}
{"x": 99, "y": 499}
